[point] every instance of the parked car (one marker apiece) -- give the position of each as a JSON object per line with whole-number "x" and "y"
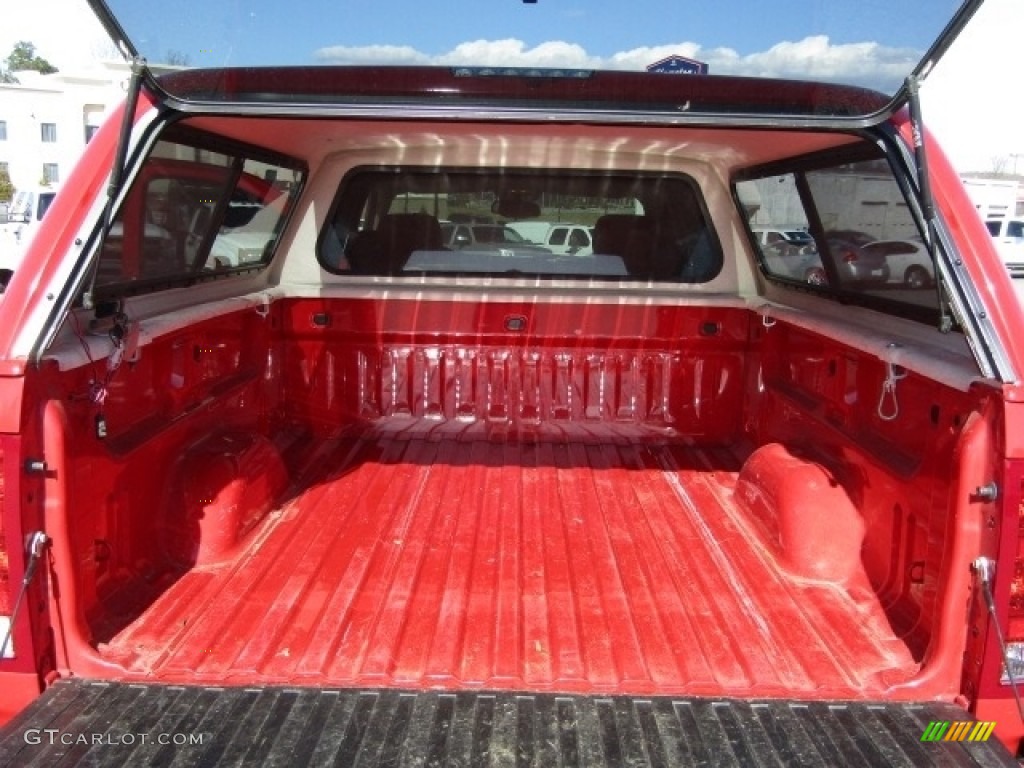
{"x": 796, "y": 262}
{"x": 534, "y": 231}
{"x": 571, "y": 239}
{"x": 499, "y": 238}
{"x": 566, "y": 239}
{"x": 1008, "y": 235}
{"x": 30, "y": 205}
{"x": 377, "y": 496}
{"x": 785, "y": 240}
{"x": 909, "y": 262}
{"x": 855, "y": 260}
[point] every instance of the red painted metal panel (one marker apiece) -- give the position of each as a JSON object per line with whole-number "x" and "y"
{"x": 677, "y": 368}
{"x": 6, "y": 599}
{"x": 20, "y": 676}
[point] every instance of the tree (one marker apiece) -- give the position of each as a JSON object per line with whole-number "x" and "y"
{"x": 6, "y": 188}
{"x": 1000, "y": 164}
{"x": 176, "y": 58}
{"x": 23, "y": 57}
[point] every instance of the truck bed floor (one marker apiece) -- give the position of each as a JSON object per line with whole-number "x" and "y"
{"x": 579, "y": 563}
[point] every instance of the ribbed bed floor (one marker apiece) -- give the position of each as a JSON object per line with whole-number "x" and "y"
{"x": 434, "y": 559}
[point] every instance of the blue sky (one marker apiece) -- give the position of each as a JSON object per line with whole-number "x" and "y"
{"x": 595, "y": 32}
{"x": 871, "y": 42}
{"x": 874, "y": 40}
{"x": 603, "y": 27}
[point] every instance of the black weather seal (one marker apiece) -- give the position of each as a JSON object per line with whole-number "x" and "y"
{"x": 117, "y": 173}
{"x": 927, "y": 202}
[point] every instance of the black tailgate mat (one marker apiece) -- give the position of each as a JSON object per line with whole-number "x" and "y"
{"x": 80, "y": 722}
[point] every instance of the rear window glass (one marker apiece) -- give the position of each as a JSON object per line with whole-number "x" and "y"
{"x": 409, "y": 222}
{"x": 843, "y": 228}
{"x": 195, "y": 212}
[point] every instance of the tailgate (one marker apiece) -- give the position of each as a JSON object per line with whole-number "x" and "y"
{"x": 79, "y": 722}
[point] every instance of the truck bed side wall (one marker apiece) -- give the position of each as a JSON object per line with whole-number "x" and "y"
{"x": 210, "y": 420}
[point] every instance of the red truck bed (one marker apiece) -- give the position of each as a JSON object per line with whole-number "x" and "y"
{"x": 596, "y": 560}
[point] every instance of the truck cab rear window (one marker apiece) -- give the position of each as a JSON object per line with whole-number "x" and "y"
{"x": 194, "y": 213}
{"x": 520, "y": 223}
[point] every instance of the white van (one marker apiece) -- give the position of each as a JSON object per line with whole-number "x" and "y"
{"x": 1008, "y": 235}
{"x": 24, "y": 213}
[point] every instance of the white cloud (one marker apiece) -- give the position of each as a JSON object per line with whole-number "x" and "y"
{"x": 507, "y": 53}
{"x": 869, "y": 64}
{"x": 501, "y": 52}
{"x": 816, "y": 58}
{"x": 371, "y": 54}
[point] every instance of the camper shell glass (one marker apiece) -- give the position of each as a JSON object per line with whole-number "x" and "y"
{"x": 197, "y": 210}
{"x": 866, "y": 243}
{"x": 434, "y": 222}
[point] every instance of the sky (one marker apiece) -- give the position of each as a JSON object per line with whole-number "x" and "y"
{"x": 873, "y": 42}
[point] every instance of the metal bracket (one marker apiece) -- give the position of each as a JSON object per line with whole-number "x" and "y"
{"x": 263, "y": 309}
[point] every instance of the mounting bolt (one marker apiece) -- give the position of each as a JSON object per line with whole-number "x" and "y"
{"x": 987, "y": 492}
{"x": 36, "y": 467}
{"x": 984, "y": 568}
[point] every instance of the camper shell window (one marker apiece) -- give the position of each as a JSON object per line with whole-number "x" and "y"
{"x": 195, "y": 211}
{"x": 415, "y": 221}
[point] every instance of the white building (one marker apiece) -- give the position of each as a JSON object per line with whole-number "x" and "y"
{"x": 996, "y": 197}
{"x": 46, "y": 120}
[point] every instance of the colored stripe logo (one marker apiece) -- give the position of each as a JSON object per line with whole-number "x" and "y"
{"x": 957, "y": 730}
